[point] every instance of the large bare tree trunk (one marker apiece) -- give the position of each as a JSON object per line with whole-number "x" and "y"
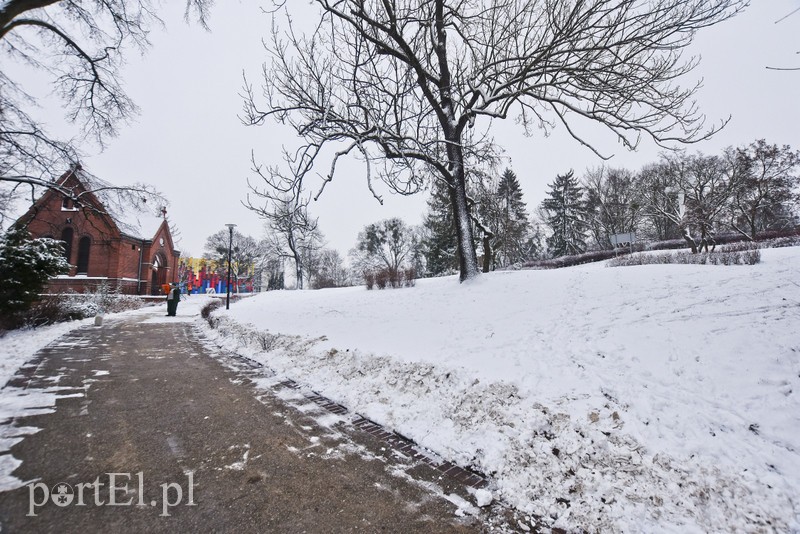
{"x": 467, "y": 259}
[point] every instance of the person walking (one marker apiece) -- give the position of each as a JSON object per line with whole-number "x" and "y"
{"x": 173, "y": 297}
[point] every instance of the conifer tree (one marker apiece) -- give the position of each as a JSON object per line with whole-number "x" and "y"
{"x": 25, "y": 267}
{"x": 439, "y": 242}
{"x": 513, "y": 225}
{"x": 566, "y": 215}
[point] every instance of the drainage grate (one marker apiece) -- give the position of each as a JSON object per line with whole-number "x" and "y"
{"x": 397, "y": 441}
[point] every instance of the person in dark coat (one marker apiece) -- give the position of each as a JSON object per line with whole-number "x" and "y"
{"x": 173, "y": 297}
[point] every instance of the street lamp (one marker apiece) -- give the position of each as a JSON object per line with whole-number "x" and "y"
{"x": 139, "y": 273}
{"x": 228, "y": 287}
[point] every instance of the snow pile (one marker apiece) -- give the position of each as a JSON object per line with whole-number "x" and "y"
{"x": 635, "y": 399}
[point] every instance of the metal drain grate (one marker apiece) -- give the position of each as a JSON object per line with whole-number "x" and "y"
{"x": 397, "y": 441}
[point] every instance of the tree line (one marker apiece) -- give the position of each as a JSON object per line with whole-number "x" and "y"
{"x": 409, "y": 90}
{"x": 744, "y": 190}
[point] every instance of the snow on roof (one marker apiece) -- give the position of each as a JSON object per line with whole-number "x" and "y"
{"x": 137, "y": 214}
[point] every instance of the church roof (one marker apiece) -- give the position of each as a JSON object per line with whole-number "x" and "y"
{"x": 130, "y": 210}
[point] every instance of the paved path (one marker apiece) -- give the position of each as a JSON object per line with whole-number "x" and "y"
{"x": 197, "y": 448}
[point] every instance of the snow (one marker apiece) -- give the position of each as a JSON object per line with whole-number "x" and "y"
{"x": 19, "y": 346}
{"x": 658, "y": 398}
{"x": 635, "y": 399}
{"x": 483, "y": 497}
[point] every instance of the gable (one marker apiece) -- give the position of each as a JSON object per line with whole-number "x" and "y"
{"x": 102, "y": 203}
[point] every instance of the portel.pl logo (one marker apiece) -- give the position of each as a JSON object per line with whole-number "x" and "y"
{"x": 122, "y": 489}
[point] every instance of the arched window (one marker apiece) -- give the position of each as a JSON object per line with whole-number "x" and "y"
{"x": 83, "y": 254}
{"x": 66, "y": 237}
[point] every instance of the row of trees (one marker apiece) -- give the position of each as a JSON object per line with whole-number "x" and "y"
{"x": 265, "y": 260}
{"x": 745, "y": 190}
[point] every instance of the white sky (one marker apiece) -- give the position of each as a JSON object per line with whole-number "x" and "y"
{"x": 189, "y": 142}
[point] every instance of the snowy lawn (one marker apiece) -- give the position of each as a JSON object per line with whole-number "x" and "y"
{"x": 637, "y": 399}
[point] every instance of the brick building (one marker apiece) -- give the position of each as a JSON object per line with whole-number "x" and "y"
{"x": 106, "y": 241}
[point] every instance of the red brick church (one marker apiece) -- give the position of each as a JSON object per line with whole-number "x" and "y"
{"x": 106, "y": 242}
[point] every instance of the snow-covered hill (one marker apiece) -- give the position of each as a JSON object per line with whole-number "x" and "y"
{"x": 638, "y": 399}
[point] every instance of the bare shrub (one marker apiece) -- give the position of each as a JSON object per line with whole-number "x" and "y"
{"x": 410, "y": 277}
{"x": 393, "y": 278}
{"x": 736, "y": 254}
{"x": 51, "y": 309}
{"x": 266, "y": 340}
{"x": 205, "y": 312}
{"x": 382, "y": 278}
{"x": 751, "y": 257}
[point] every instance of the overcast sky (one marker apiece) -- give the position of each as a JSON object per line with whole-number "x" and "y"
{"x": 189, "y": 142}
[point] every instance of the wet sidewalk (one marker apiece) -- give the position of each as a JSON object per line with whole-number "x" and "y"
{"x": 157, "y": 435}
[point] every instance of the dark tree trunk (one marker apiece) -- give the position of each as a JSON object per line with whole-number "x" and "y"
{"x": 467, "y": 259}
{"x": 487, "y": 252}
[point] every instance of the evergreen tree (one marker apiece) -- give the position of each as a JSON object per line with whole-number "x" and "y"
{"x": 25, "y": 266}
{"x": 439, "y": 241}
{"x": 566, "y": 215}
{"x": 513, "y": 226}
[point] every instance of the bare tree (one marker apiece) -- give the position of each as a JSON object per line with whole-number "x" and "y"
{"x": 765, "y": 196}
{"x": 292, "y": 232}
{"x": 389, "y": 244}
{"x": 79, "y": 45}
{"x": 613, "y": 203}
{"x": 248, "y": 256}
{"x": 402, "y": 85}
{"x": 698, "y": 195}
{"x": 329, "y": 270}
{"x": 663, "y": 211}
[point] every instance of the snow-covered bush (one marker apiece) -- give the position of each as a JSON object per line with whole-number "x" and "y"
{"x": 25, "y": 266}
{"x": 105, "y": 299}
{"x": 52, "y": 309}
{"x": 744, "y": 253}
{"x": 383, "y": 278}
{"x": 780, "y": 242}
{"x": 205, "y": 312}
{"x": 369, "y": 278}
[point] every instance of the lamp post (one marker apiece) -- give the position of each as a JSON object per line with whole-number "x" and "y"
{"x": 139, "y": 273}
{"x": 230, "y": 247}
